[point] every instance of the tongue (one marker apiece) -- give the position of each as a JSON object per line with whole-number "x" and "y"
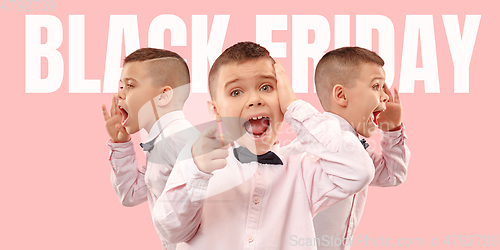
{"x": 124, "y": 115}
{"x": 258, "y": 127}
{"x": 375, "y": 117}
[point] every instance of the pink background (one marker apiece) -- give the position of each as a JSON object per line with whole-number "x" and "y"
{"x": 55, "y": 184}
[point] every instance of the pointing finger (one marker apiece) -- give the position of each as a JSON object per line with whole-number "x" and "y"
{"x": 210, "y": 132}
{"x": 225, "y": 139}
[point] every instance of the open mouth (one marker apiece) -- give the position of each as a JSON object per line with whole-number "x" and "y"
{"x": 257, "y": 126}
{"x": 124, "y": 114}
{"x": 375, "y": 115}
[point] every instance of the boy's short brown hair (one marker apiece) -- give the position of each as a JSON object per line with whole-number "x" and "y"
{"x": 238, "y": 53}
{"x": 341, "y": 66}
{"x": 165, "y": 67}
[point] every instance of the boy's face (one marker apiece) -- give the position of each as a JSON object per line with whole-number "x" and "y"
{"x": 137, "y": 90}
{"x": 247, "y": 95}
{"x": 366, "y": 99}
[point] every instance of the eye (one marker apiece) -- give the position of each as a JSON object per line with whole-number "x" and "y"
{"x": 236, "y": 93}
{"x": 266, "y": 88}
{"x": 376, "y": 87}
{"x": 129, "y": 86}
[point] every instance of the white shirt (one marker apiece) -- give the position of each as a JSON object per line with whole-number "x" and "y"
{"x": 132, "y": 185}
{"x": 336, "y": 225}
{"x": 261, "y": 206}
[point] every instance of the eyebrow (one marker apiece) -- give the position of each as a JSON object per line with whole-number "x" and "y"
{"x": 128, "y": 79}
{"x": 272, "y": 77}
{"x": 378, "y": 78}
{"x": 231, "y": 82}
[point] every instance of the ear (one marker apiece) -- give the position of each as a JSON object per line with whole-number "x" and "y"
{"x": 339, "y": 95}
{"x": 212, "y": 110}
{"x": 166, "y": 96}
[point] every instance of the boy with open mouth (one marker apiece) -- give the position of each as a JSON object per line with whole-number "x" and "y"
{"x": 155, "y": 85}
{"x": 246, "y": 194}
{"x": 350, "y": 84}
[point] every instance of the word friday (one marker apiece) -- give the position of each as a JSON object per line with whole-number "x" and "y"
{"x": 205, "y": 48}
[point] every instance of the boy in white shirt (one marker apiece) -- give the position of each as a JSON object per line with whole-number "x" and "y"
{"x": 247, "y": 194}
{"x": 350, "y": 84}
{"x": 155, "y": 85}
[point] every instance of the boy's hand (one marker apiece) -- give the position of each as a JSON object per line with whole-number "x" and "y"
{"x": 211, "y": 150}
{"x": 285, "y": 92}
{"x": 112, "y": 121}
{"x": 392, "y": 117}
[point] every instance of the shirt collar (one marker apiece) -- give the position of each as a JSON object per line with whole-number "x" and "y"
{"x": 344, "y": 124}
{"x": 163, "y": 122}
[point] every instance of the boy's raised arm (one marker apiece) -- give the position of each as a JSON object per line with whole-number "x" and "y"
{"x": 392, "y": 117}
{"x": 127, "y": 181}
{"x": 177, "y": 212}
{"x": 337, "y": 165}
{"x": 392, "y": 164}
{"x": 285, "y": 92}
{"x": 112, "y": 122}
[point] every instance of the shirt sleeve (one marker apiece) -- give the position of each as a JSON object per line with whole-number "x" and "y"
{"x": 126, "y": 179}
{"x": 335, "y": 165}
{"x": 391, "y": 165}
{"x": 161, "y": 161}
{"x": 177, "y": 212}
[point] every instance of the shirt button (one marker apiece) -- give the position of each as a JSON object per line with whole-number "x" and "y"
{"x": 296, "y": 114}
{"x": 250, "y": 238}
{"x": 256, "y": 200}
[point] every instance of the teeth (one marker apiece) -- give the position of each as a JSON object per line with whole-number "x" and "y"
{"x": 258, "y": 117}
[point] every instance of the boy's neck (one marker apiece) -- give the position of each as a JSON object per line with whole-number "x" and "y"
{"x": 160, "y": 112}
{"x": 341, "y": 114}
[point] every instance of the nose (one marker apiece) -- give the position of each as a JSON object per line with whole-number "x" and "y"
{"x": 121, "y": 95}
{"x": 255, "y": 100}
